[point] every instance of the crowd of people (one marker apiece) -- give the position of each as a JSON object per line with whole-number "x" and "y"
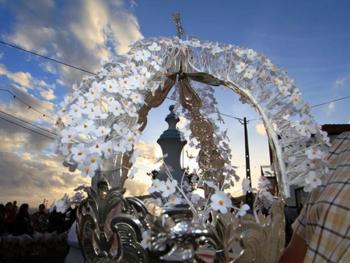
{"x": 18, "y": 221}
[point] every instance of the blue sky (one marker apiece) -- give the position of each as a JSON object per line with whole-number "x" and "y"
{"x": 309, "y": 39}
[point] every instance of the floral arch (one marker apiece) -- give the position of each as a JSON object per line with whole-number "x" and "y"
{"x": 103, "y": 117}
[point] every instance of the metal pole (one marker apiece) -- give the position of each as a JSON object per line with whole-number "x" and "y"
{"x": 249, "y": 195}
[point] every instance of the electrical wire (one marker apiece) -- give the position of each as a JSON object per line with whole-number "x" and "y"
{"x": 27, "y": 128}
{"x": 2, "y": 42}
{"x": 27, "y": 122}
{"x": 16, "y": 97}
{"x": 328, "y": 102}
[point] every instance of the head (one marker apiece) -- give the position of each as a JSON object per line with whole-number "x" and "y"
{"x": 15, "y": 203}
{"x": 23, "y": 209}
{"x": 42, "y": 208}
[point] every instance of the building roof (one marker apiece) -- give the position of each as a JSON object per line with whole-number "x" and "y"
{"x": 335, "y": 129}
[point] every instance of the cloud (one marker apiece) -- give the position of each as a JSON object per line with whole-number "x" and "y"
{"x": 260, "y": 128}
{"x": 49, "y": 67}
{"x": 331, "y": 108}
{"x": 77, "y": 32}
{"x": 19, "y": 107}
{"x": 30, "y": 178}
{"x": 15, "y": 138}
{"x": 341, "y": 82}
{"x": 22, "y": 82}
{"x": 48, "y": 94}
{"x": 23, "y": 79}
{"x": 29, "y": 171}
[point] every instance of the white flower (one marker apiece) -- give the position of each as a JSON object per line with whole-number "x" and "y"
{"x": 243, "y": 210}
{"x": 154, "y": 47}
{"x": 216, "y": 49}
{"x": 195, "y": 43}
{"x": 67, "y": 135}
{"x": 142, "y": 55}
{"x": 86, "y": 127}
{"x": 249, "y": 72}
{"x": 82, "y": 102}
{"x": 92, "y": 94}
{"x": 79, "y": 152}
{"x": 98, "y": 87}
{"x": 246, "y": 185}
{"x": 220, "y": 202}
{"x": 312, "y": 181}
{"x": 175, "y": 200}
{"x": 251, "y": 54}
{"x": 156, "y": 186}
{"x": 284, "y": 90}
{"x": 111, "y": 86}
{"x": 115, "y": 107}
{"x": 239, "y": 52}
{"x": 107, "y": 149}
{"x": 102, "y": 131}
{"x": 155, "y": 65}
{"x": 96, "y": 147}
{"x": 314, "y": 153}
{"x": 76, "y": 111}
{"x": 137, "y": 98}
{"x": 93, "y": 161}
{"x": 130, "y": 109}
{"x": 169, "y": 188}
{"x": 144, "y": 72}
{"x": 301, "y": 129}
{"x": 295, "y": 98}
{"x": 93, "y": 111}
{"x": 240, "y": 67}
{"x": 62, "y": 204}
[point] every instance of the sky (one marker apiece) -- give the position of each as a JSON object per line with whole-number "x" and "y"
{"x": 308, "y": 39}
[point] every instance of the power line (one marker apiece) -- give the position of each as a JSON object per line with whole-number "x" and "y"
{"x": 328, "y": 102}
{"x": 46, "y": 57}
{"x": 24, "y": 127}
{"x": 15, "y": 96}
{"x": 27, "y": 122}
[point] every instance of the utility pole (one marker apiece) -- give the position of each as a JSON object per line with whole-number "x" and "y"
{"x": 249, "y": 195}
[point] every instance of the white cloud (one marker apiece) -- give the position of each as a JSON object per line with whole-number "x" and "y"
{"x": 331, "y": 108}
{"x": 49, "y": 67}
{"x": 28, "y": 177}
{"x": 77, "y": 32}
{"x": 48, "y": 94}
{"x": 342, "y": 81}
{"x": 24, "y": 79}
